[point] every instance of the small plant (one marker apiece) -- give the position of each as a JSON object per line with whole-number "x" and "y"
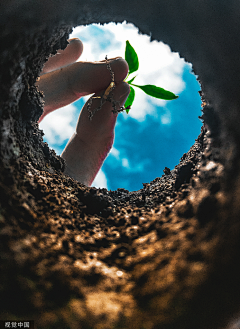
{"x": 132, "y": 59}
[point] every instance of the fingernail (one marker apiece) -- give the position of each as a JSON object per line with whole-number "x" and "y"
{"x": 73, "y": 40}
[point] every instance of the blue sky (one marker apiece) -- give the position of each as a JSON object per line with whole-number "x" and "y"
{"x": 155, "y": 133}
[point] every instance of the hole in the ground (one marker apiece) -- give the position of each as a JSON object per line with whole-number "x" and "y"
{"x": 155, "y": 133}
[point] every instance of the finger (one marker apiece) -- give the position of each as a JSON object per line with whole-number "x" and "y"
{"x": 89, "y": 146}
{"x": 64, "y": 86}
{"x": 64, "y": 57}
{"x": 103, "y": 121}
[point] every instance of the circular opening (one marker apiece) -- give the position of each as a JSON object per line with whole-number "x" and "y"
{"x": 155, "y": 133}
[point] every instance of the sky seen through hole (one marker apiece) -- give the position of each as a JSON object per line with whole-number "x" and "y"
{"x": 155, "y": 133}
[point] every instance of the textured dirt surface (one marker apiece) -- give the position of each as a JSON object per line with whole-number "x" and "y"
{"x": 166, "y": 256}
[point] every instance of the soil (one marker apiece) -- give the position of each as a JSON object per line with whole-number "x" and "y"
{"x": 166, "y": 256}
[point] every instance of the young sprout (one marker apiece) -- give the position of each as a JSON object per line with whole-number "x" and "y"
{"x": 107, "y": 96}
{"x": 132, "y": 59}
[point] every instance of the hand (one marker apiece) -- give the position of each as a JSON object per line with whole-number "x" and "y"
{"x": 63, "y": 81}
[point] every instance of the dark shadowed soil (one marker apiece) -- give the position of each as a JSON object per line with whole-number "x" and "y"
{"x": 166, "y": 256}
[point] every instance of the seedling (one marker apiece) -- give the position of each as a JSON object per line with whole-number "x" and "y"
{"x": 107, "y": 96}
{"x": 132, "y": 59}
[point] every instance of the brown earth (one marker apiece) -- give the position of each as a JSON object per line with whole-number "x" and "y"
{"x": 166, "y": 256}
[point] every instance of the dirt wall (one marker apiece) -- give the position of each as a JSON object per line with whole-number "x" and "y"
{"x": 166, "y": 256}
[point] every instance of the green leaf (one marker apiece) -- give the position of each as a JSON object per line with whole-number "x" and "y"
{"x": 130, "y": 99}
{"x": 131, "y": 57}
{"x": 157, "y": 92}
{"x": 130, "y": 81}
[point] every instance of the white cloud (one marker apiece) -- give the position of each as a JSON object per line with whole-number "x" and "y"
{"x": 100, "y": 180}
{"x": 165, "y": 117}
{"x": 59, "y": 125}
{"x": 157, "y": 64}
{"x": 115, "y": 153}
{"x": 125, "y": 163}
